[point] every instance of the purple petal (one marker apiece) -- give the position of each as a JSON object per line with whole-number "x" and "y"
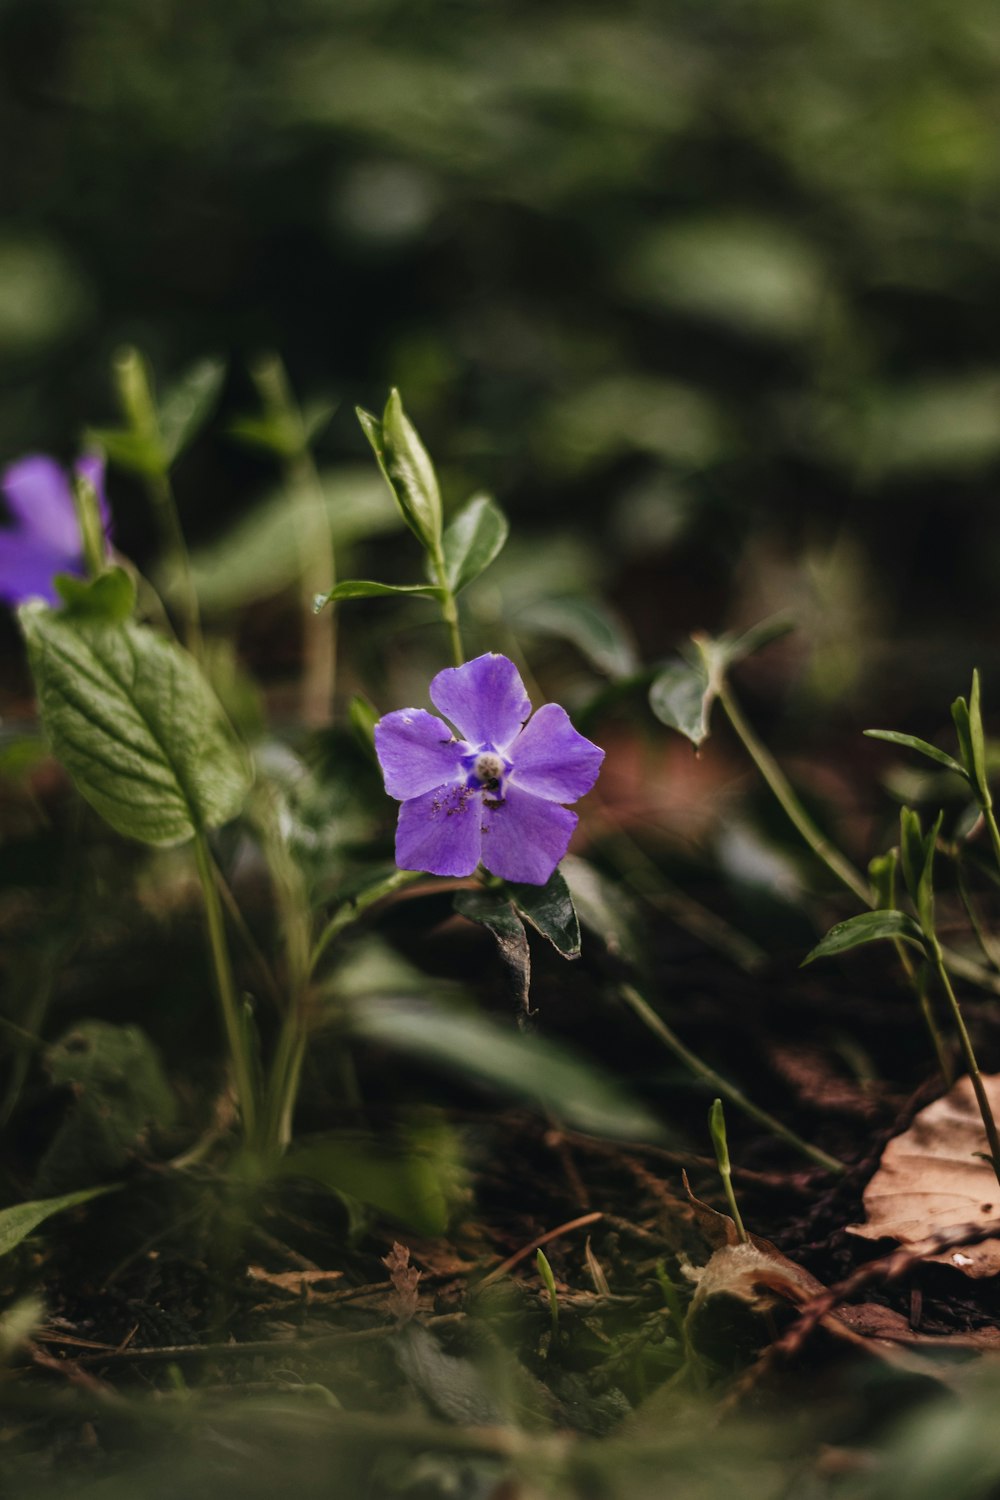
{"x": 525, "y": 837}
{"x": 552, "y": 759}
{"x": 416, "y": 752}
{"x": 38, "y": 494}
{"x": 485, "y": 698}
{"x": 440, "y": 832}
{"x": 27, "y": 568}
{"x": 91, "y": 468}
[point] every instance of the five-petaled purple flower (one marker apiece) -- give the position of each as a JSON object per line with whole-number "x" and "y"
{"x": 490, "y": 793}
{"x": 46, "y": 539}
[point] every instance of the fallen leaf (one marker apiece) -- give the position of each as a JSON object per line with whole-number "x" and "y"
{"x": 933, "y": 1177}
{"x": 295, "y": 1282}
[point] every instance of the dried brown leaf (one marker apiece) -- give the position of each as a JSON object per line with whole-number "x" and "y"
{"x": 933, "y": 1177}
{"x": 295, "y": 1282}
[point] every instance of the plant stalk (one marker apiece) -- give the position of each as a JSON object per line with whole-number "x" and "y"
{"x": 655, "y": 1023}
{"x": 449, "y": 608}
{"x": 236, "y": 1036}
{"x": 971, "y": 1062}
{"x": 351, "y": 910}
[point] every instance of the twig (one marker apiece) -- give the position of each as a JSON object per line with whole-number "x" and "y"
{"x": 537, "y": 1244}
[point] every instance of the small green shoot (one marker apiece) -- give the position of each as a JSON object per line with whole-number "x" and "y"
{"x": 720, "y": 1143}
{"x": 549, "y": 1282}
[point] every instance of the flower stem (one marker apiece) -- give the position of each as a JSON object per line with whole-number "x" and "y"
{"x": 315, "y": 540}
{"x": 351, "y": 910}
{"x": 772, "y": 773}
{"x": 236, "y": 1034}
{"x": 971, "y": 1062}
{"x": 449, "y": 607}
{"x": 655, "y": 1023}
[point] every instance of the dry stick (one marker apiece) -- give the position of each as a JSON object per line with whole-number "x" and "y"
{"x": 543, "y": 1239}
{"x": 656, "y": 1024}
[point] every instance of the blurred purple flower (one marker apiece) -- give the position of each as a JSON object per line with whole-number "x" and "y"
{"x": 46, "y": 537}
{"x": 491, "y": 793}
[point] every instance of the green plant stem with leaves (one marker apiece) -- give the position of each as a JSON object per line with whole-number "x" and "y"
{"x": 720, "y": 1143}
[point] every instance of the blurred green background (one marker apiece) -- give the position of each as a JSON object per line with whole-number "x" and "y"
{"x": 703, "y": 290}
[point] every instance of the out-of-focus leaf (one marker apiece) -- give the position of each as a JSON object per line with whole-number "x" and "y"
{"x": 16, "y": 1223}
{"x": 754, "y": 274}
{"x": 188, "y": 404}
{"x": 365, "y": 588}
{"x": 109, "y": 598}
{"x": 363, "y": 717}
{"x": 472, "y": 540}
{"x": 136, "y": 725}
{"x": 497, "y": 915}
{"x": 605, "y": 909}
{"x": 949, "y": 425}
{"x": 632, "y": 413}
{"x": 588, "y": 625}
{"x": 910, "y": 742}
{"x": 413, "y": 1181}
{"x": 137, "y": 452}
{"x": 262, "y": 554}
{"x": 524, "y": 1066}
{"x": 869, "y": 927}
{"x": 550, "y": 910}
{"x": 882, "y": 874}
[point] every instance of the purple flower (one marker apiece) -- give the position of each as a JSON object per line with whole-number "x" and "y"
{"x": 491, "y": 792}
{"x": 46, "y": 539}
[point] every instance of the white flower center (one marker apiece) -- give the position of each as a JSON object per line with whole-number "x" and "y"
{"x": 488, "y": 769}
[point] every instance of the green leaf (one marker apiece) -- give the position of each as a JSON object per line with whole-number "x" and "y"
{"x": 16, "y": 1223}
{"x": 188, "y": 404}
{"x": 364, "y": 588}
{"x": 963, "y": 729}
{"x": 550, "y": 910}
{"x": 910, "y": 742}
{"x": 918, "y": 851}
{"x": 498, "y": 916}
{"x": 977, "y": 740}
{"x": 407, "y": 467}
{"x": 869, "y": 927}
{"x": 882, "y": 874}
{"x": 757, "y": 637}
{"x": 413, "y": 1181}
{"x": 137, "y": 452}
{"x": 472, "y": 540}
{"x": 108, "y": 598}
{"x": 136, "y": 725}
{"x": 589, "y": 626}
{"x": 679, "y": 697}
{"x": 524, "y": 1066}
{"x": 605, "y": 909}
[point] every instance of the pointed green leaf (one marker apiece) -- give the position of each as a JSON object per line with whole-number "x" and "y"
{"x": 472, "y": 540}
{"x": 525, "y": 1066}
{"x": 17, "y": 1222}
{"x": 910, "y": 742}
{"x": 134, "y": 451}
{"x": 682, "y": 696}
{"x": 963, "y": 729}
{"x": 550, "y": 910}
{"x": 363, "y": 717}
{"x": 977, "y": 740}
{"x": 757, "y": 637}
{"x": 364, "y": 588}
{"x": 136, "y": 725}
{"x": 412, "y": 1181}
{"x": 188, "y": 404}
{"x": 869, "y": 927}
{"x": 407, "y": 467}
{"x": 497, "y": 915}
{"x": 108, "y": 598}
{"x": 911, "y": 848}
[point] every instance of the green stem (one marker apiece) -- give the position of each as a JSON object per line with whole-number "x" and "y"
{"x": 236, "y": 1036}
{"x": 971, "y": 1062}
{"x": 283, "y": 1085}
{"x": 351, "y": 910}
{"x": 449, "y": 608}
{"x": 777, "y": 781}
{"x": 991, "y": 823}
{"x": 655, "y": 1023}
{"x": 161, "y": 495}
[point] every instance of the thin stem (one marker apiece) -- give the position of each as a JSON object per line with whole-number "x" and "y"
{"x": 991, "y": 823}
{"x": 777, "y": 781}
{"x": 449, "y": 608}
{"x": 971, "y": 1062}
{"x": 284, "y": 1082}
{"x": 351, "y": 910}
{"x": 161, "y": 494}
{"x": 236, "y": 1036}
{"x": 317, "y": 553}
{"x": 655, "y": 1023}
